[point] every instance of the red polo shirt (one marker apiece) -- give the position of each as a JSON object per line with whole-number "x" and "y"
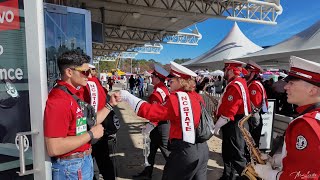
{"x": 61, "y": 113}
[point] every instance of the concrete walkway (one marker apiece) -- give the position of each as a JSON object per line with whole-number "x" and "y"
{"x": 129, "y": 157}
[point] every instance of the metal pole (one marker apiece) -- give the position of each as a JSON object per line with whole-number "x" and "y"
{"x": 131, "y": 66}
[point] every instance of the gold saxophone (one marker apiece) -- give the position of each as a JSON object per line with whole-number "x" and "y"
{"x": 255, "y": 153}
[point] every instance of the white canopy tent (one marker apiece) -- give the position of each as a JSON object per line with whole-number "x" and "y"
{"x": 234, "y": 45}
{"x": 217, "y": 73}
{"x": 305, "y": 44}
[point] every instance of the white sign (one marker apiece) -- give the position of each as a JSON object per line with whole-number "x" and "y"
{"x": 267, "y": 120}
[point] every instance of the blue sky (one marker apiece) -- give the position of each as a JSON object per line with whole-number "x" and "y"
{"x": 297, "y": 15}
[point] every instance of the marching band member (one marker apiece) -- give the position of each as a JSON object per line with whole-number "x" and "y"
{"x": 301, "y": 150}
{"x": 188, "y": 159}
{"x": 233, "y": 106}
{"x": 96, "y": 95}
{"x": 258, "y": 98}
{"x": 159, "y": 136}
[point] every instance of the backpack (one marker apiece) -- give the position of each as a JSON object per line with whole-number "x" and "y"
{"x": 204, "y": 131}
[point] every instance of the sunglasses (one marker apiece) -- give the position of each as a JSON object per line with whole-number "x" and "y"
{"x": 82, "y": 71}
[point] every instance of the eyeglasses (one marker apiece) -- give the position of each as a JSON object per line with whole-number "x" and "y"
{"x": 82, "y": 71}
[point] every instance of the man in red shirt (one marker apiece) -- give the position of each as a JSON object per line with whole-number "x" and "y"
{"x": 65, "y": 126}
{"x": 258, "y": 98}
{"x": 233, "y": 106}
{"x": 159, "y": 136}
{"x": 301, "y": 150}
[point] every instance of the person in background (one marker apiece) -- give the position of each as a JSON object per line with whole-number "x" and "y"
{"x": 110, "y": 83}
{"x": 103, "y": 78}
{"x": 132, "y": 83}
{"x": 65, "y": 126}
{"x": 95, "y": 95}
{"x": 159, "y": 136}
{"x": 233, "y": 106}
{"x": 188, "y": 159}
{"x": 218, "y": 84}
{"x": 301, "y": 150}
{"x": 258, "y": 98}
{"x": 140, "y": 86}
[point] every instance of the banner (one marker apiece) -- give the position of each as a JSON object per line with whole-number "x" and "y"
{"x": 9, "y": 15}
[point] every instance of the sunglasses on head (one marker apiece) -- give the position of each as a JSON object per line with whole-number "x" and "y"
{"x": 82, "y": 71}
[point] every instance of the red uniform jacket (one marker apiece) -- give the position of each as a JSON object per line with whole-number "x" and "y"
{"x": 302, "y": 139}
{"x": 102, "y": 97}
{"x": 256, "y": 94}
{"x": 231, "y": 102}
{"x": 159, "y": 95}
{"x": 169, "y": 110}
{"x": 61, "y": 114}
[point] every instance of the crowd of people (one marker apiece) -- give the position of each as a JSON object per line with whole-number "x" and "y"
{"x": 76, "y": 123}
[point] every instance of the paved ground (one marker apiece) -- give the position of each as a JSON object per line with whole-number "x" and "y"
{"x": 129, "y": 154}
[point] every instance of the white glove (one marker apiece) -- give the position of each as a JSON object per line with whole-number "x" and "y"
{"x": 221, "y": 122}
{"x": 266, "y": 171}
{"x": 133, "y": 101}
{"x": 276, "y": 160}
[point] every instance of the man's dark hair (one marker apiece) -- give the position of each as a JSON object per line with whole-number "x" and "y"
{"x": 72, "y": 59}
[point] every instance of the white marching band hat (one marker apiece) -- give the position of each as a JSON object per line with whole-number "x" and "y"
{"x": 91, "y": 66}
{"x": 160, "y": 71}
{"x": 177, "y": 70}
{"x": 305, "y": 70}
{"x": 233, "y": 63}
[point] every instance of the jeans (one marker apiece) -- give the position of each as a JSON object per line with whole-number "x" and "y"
{"x": 73, "y": 169}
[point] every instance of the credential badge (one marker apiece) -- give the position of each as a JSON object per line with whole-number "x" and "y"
{"x": 301, "y": 142}
{"x": 230, "y": 98}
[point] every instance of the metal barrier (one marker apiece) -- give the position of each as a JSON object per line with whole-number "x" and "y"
{"x": 280, "y": 122}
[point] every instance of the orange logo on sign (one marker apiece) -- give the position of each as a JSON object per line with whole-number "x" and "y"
{"x": 9, "y": 15}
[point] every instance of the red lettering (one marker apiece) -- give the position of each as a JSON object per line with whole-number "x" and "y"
{"x": 188, "y": 128}
{"x": 184, "y": 98}
{"x": 186, "y": 109}
{"x": 185, "y": 103}
{"x": 187, "y": 119}
{"x": 9, "y": 15}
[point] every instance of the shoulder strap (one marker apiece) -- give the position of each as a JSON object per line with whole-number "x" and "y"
{"x": 244, "y": 97}
{"x": 65, "y": 89}
{"x": 162, "y": 93}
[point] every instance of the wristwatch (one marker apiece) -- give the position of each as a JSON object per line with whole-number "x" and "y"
{"x": 91, "y": 135}
{"x": 108, "y": 106}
